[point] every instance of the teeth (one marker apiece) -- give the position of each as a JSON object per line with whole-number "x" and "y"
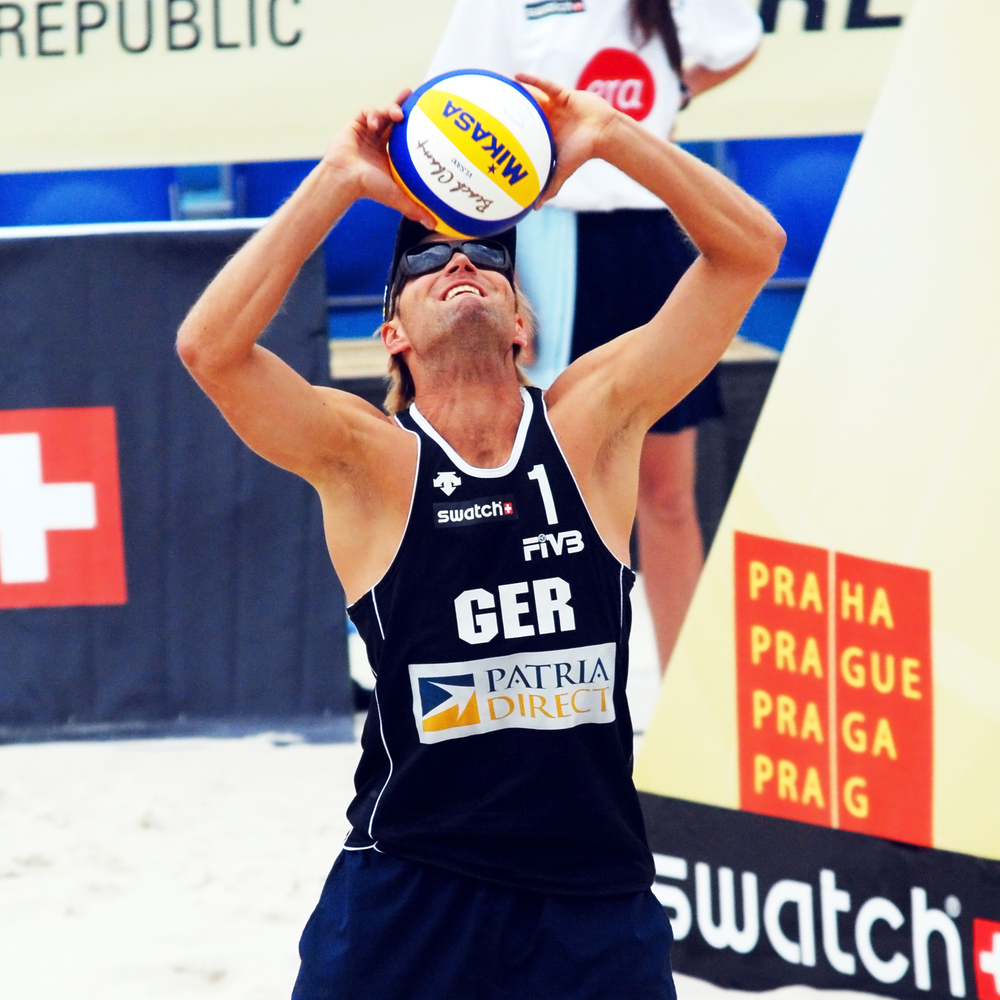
{"x": 458, "y": 289}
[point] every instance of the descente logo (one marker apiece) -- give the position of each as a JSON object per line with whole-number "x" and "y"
{"x": 544, "y": 691}
{"x": 465, "y": 512}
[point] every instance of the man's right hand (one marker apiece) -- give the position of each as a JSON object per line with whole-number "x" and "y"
{"x": 358, "y": 156}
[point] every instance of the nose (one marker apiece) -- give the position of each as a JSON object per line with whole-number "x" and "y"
{"x": 459, "y": 262}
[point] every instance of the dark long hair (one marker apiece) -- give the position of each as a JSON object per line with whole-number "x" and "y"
{"x": 654, "y": 17}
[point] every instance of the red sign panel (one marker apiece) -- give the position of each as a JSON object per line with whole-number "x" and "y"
{"x": 834, "y": 694}
{"x": 986, "y": 957}
{"x": 884, "y": 698}
{"x": 622, "y": 79}
{"x": 60, "y": 509}
{"x": 782, "y": 678}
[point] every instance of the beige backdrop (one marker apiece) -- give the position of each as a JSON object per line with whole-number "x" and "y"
{"x": 802, "y": 82}
{"x": 76, "y": 98}
{"x": 210, "y": 103}
{"x": 880, "y": 434}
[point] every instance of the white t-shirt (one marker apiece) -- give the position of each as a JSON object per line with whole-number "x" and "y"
{"x": 588, "y": 44}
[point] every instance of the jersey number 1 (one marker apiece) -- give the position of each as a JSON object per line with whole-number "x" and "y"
{"x": 539, "y": 476}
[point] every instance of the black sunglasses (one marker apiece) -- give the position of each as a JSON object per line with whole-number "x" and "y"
{"x": 425, "y": 258}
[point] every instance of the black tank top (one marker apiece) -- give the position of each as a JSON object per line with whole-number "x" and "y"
{"x": 499, "y": 742}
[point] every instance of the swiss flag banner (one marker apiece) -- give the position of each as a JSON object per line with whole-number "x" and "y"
{"x": 60, "y": 509}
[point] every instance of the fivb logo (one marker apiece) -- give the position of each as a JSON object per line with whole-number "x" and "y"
{"x": 570, "y": 541}
{"x": 542, "y": 691}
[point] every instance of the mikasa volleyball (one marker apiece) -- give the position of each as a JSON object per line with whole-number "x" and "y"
{"x": 474, "y": 149}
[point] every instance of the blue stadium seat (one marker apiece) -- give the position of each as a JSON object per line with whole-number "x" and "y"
{"x": 800, "y": 181}
{"x": 358, "y": 251}
{"x": 85, "y": 196}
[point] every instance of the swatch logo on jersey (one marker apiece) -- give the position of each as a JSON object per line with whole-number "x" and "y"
{"x": 544, "y": 690}
{"x": 448, "y": 515}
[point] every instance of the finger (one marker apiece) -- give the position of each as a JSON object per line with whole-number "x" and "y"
{"x": 547, "y": 86}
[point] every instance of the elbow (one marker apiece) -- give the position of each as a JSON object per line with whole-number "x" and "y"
{"x": 767, "y": 246}
{"x": 195, "y": 349}
{"x": 775, "y": 241}
{"x": 187, "y": 346}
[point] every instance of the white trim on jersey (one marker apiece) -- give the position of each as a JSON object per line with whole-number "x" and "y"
{"x": 388, "y": 778}
{"x": 471, "y": 470}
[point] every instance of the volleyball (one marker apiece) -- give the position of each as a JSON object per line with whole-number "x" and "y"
{"x": 475, "y": 149}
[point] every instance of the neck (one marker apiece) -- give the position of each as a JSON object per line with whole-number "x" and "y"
{"x": 478, "y": 418}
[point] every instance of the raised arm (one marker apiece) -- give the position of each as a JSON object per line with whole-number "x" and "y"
{"x": 603, "y": 404}
{"x": 360, "y": 462}
{"x": 275, "y": 411}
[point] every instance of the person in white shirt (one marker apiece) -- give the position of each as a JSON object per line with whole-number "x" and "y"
{"x": 647, "y": 58}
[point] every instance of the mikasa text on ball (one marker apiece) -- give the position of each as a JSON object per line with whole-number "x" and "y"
{"x": 474, "y": 149}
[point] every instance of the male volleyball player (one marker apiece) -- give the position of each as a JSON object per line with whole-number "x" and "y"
{"x": 481, "y": 535}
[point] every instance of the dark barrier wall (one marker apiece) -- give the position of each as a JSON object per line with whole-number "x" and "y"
{"x": 233, "y": 609}
{"x": 758, "y": 903}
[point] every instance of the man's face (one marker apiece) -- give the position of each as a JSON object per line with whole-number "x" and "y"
{"x": 460, "y": 306}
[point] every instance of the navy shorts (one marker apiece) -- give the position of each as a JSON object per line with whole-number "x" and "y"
{"x": 627, "y": 263}
{"x": 387, "y": 928}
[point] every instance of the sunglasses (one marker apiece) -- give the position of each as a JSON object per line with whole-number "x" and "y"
{"x": 425, "y": 258}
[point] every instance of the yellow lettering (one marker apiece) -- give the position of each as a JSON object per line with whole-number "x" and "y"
{"x": 911, "y": 678}
{"x": 540, "y": 698}
{"x": 786, "y": 715}
{"x": 849, "y": 600}
{"x": 811, "y": 594}
{"x": 811, "y": 663}
{"x": 881, "y": 609}
{"x": 787, "y": 775}
{"x": 763, "y": 772}
{"x": 500, "y": 697}
{"x": 572, "y": 701}
{"x": 813, "y": 790}
{"x": 883, "y": 684}
{"x": 520, "y": 701}
{"x": 851, "y": 667}
{"x": 855, "y": 739}
{"x": 758, "y": 578}
{"x": 784, "y": 650}
{"x": 604, "y": 704}
{"x": 762, "y": 706}
{"x": 784, "y": 581}
{"x": 855, "y": 800}
{"x": 561, "y": 705}
{"x": 883, "y": 740}
{"x": 811, "y": 725}
{"x": 760, "y": 642}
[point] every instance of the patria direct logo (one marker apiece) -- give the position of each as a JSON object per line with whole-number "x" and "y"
{"x": 546, "y": 690}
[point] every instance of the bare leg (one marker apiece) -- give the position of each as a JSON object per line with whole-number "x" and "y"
{"x": 670, "y": 546}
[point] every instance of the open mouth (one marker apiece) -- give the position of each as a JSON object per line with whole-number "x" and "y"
{"x": 460, "y": 290}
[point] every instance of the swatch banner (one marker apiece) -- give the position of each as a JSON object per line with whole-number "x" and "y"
{"x": 820, "y": 774}
{"x": 818, "y": 71}
{"x": 120, "y": 83}
{"x": 757, "y": 902}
